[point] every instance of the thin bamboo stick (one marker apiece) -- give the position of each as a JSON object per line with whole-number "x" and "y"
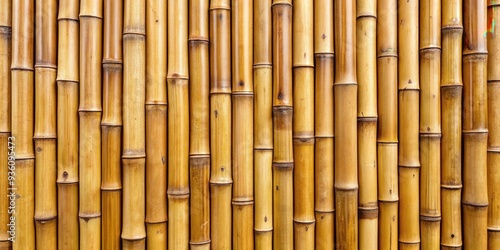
{"x": 324, "y": 124}
{"x": 178, "y": 125}
{"x": 156, "y": 125}
{"x": 22, "y": 67}
{"x": 366, "y": 33}
{"x": 409, "y": 95}
{"x": 475, "y": 126}
{"x": 451, "y": 122}
{"x": 263, "y": 124}
{"x": 67, "y": 124}
{"x": 90, "y": 124}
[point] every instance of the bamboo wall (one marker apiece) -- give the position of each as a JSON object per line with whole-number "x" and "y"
{"x": 249, "y": 124}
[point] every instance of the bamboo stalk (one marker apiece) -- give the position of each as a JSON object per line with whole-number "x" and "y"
{"x": 409, "y": 95}
{"x": 67, "y": 124}
{"x": 475, "y": 126}
{"x": 367, "y": 122}
{"x": 22, "y": 67}
{"x": 90, "y": 118}
{"x": 178, "y": 125}
{"x": 451, "y": 122}
{"x": 263, "y": 124}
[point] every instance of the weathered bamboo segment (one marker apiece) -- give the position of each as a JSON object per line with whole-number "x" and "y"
{"x": 323, "y": 125}
{"x": 387, "y": 129}
{"x": 90, "y": 124}
{"x": 345, "y": 96}
{"x": 111, "y": 125}
{"x": 263, "y": 124}
{"x": 156, "y": 124}
{"x": 430, "y": 124}
{"x": 493, "y": 126}
{"x": 451, "y": 123}
{"x": 178, "y": 125}
{"x": 409, "y": 96}
{"x": 67, "y": 124}
{"x": 22, "y": 67}
{"x": 366, "y": 66}
{"x": 475, "y": 126}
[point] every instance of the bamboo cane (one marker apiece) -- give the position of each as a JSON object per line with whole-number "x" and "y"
{"x": 324, "y": 124}
{"x": 303, "y": 124}
{"x": 475, "y": 126}
{"x": 178, "y": 125}
{"x": 90, "y": 120}
{"x": 242, "y": 120}
{"x": 408, "y": 160}
{"x": 493, "y": 125}
{"x": 111, "y": 125}
{"x": 451, "y": 120}
{"x": 430, "y": 124}
{"x": 263, "y": 124}
{"x": 366, "y": 32}
{"x": 23, "y": 20}
{"x": 67, "y": 124}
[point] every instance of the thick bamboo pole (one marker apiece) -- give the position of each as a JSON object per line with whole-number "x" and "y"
{"x": 303, "y": 124}
{"x": 430, "y": 124}
{"x": 451, "y": 122}
{"x": 345, "y": 94}
{"x": 409, "y": 94}
{"x": 67, "y": 124}
{"x": 111, "y": 125}
{"x": 475, "y": 126}
{"x": 323, "y": 122}
{"x": 156, "y": 125}
{"x": 178, "y": 125}
{"x": 90, "y": 120}
{"x": 263, "y": 124}
{"x": 366, "y": 33}
{"x": 22, "y": 67}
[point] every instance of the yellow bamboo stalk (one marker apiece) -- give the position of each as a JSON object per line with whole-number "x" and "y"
{"x": 67, "y": 124}
{"x": 22, "y": 76}
{"x": 263, "y": 124}
{"x": 451, "y": 122}
{"x": 475, "y": 126}
{"x": 90, "y": 120}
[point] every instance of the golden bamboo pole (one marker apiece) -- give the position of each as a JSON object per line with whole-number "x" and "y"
{"x": 178, "y": 125}
{"x": 22, "y": 67}
{"x": 111, "y": 125}
{"x": 475, "y": 126}
{"x": 89, "y": 110}
{"x": 67, "y": 124}
{"x": 242, "y": 120}
{"x": 451, "y": 122}
{"x": 324, "y": 124}
{"x": 366, "y": 66}
{"x": 263, "y": 124}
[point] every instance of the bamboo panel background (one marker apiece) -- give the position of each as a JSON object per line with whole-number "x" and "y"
{"x": 249, "y": 124}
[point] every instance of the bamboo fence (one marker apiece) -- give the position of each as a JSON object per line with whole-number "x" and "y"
{"x": 249, "y": 124}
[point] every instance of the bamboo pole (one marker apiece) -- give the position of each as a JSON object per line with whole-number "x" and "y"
{"x": 22, "y": 67}
{"x": 409, "y": 95}
{"x": 303, "y": 124}
{"x": 178, "y": 125}
{"x": 366, "y": 66}
{"x": 111, "y": 125}
{"x": 475, "y": 126}
{"x": 451, "y": 122}
{"x": 242, "y": 120}
{"x": 67, "y": 124}
{"x": 324, "y": 124}
{"x": 90, "y": 120}
{"x": 263, "y": 124}
{"x": 493, "y": 125}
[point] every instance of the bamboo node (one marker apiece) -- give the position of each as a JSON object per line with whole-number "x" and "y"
{"x": 200, "y": 243}
{"x": 430, "y": 218}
